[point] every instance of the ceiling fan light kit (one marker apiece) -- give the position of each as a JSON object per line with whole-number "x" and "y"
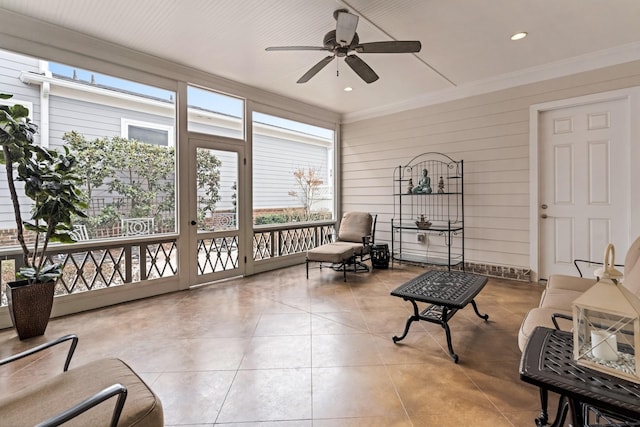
{"x": 344, "y": 40}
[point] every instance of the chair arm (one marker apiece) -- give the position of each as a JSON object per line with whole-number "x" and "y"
{"x": 72, "y": 348}
{"x": 576, "y": 261}
{"x": 367, "y": 240}
{"x": 554, "y": 316}
{"x": 85, "y": 405}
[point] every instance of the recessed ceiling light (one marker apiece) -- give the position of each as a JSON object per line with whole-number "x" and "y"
{"x": 519, "y": 36}
{"x": 348, "y": 89}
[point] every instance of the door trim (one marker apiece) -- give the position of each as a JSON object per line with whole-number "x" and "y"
{"x": 632, "y": 95}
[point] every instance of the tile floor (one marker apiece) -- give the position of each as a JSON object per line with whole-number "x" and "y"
{"x": 276, "y": 349}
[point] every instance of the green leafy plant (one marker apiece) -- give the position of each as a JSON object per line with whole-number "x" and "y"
{"x": 50, "y": 181}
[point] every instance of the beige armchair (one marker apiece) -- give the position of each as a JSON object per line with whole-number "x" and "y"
{"x": 352, "y": 245}
{"x": 82, "y": 396}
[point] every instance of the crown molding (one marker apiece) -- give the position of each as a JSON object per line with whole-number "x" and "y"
{"x": 591, "y": 61}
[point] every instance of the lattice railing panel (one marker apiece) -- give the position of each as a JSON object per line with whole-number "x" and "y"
{"x": 89, "y": 266}
{"x": 262, "y": 246}
{"x": 162, "y": 260}
{"x": 217, "y": 254}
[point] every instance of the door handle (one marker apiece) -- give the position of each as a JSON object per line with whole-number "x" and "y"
{"x": 193, "y": 222}
{"x": 543, "y": 216}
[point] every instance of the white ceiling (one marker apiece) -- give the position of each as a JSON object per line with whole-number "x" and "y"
{"x": 467, "y": 41}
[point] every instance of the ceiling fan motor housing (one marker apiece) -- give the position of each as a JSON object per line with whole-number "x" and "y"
{"x": 330, "y": 41}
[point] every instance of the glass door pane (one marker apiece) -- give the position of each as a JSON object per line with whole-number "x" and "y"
{"x": 216, "y": 214}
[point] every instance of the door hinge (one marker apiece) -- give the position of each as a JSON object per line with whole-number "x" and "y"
{"x": 245, "y": 161}
{"x": 245, "y": 259}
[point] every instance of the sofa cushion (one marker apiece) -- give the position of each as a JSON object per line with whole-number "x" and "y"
{"x": 541, "y": 317}
{"x": 560, "y": 299}
{"x": 43, "y": 400}
{"x": 631, "y": 279}
{"x": 573, "y": 283}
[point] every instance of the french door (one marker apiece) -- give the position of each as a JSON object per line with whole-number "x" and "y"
{"x": 216, "y": 239}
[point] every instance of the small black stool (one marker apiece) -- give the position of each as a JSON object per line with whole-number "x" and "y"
{"x": 380, "y": 256}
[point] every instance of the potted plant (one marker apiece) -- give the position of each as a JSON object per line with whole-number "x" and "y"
{"x": 50, "y": 181}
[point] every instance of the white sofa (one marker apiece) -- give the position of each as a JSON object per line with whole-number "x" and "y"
{"x": 562, "y": 290}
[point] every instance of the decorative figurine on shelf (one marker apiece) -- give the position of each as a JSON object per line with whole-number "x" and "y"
{"x": 410, "y": 186}
{"x": 424, "y": 185}
{"x": 441, "y": 186}
{"x": 422, "y": 223}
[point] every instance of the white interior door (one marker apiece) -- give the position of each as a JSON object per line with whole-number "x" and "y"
{"x": 584, "y": 181}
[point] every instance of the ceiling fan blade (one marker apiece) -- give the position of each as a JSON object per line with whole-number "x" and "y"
{"x": 314, "y": 70}
{"x": 389, "y": 47}
{"x": 361, "y": 68}
{"x": 346, "y": 27}
{"x": 276, "y": 48}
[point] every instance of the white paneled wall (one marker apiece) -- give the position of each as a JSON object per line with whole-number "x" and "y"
{"x": 491, "y": 134}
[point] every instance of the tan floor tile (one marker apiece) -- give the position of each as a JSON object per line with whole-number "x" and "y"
{"x": 271, "y": 324}
{"x": 354, "y": 392}
{"x": 400, "y": 421}
{"x": 268, "y": 395}
{"x": 192, "y": 397}
{"x": 343, "y": 350}
{"x": 338, "y": 323}
{"x": 278, "y": 352}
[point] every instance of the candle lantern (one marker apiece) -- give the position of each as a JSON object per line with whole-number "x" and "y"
{"x": 606, "y": 324}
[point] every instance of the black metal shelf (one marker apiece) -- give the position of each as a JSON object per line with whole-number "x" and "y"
{"x": 443, "y": 207}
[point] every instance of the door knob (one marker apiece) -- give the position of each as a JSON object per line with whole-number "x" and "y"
{"x": 543, "y": 216}
{"x": 544, "y": 206}
{"x": 193, "y": 223}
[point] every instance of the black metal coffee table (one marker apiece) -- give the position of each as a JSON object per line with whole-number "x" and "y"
{"x": 547, "y": 362}
{"x": 447, "y": 292}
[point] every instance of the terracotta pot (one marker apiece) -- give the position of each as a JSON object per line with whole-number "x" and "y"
{"x": 30, "y": 306}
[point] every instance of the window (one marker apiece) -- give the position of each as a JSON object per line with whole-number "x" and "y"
{"x": 297, "y": 186}
{"x": 214, "y": 113}
{"x": 151, "y": 133}
{"x": 122, "y": 133}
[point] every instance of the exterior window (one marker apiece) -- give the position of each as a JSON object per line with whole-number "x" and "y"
{"x": 148, "y": 132}
{"x": 297, "y": 186}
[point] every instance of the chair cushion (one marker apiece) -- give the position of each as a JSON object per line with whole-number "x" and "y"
{"x": 331, "y": 252}
{"x": 358, "y": 248}
{"x": 43, "y": 400}
{"x": 354, "y": 226}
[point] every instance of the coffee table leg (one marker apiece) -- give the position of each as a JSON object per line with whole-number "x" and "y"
{"x": 447, "y": 331}
{"x": 475, "y": 308}
{"x": 414, "y": 318}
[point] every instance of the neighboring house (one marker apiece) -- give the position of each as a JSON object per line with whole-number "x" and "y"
{"x": 61, "y": 103}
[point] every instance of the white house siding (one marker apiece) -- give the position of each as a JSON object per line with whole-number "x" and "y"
{"x": 11, "y": 65}
{"x": 93, "y": 120}
{"x": 490, "y": 133}
{"x": 274, "y": 161}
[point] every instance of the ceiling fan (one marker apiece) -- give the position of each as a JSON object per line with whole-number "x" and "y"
{"x": 343, "y": 40}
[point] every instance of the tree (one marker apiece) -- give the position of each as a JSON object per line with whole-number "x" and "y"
{"x": 139, "y": 176}
{"x": 208, "y": 179}
{"x": 308, "y": 182}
